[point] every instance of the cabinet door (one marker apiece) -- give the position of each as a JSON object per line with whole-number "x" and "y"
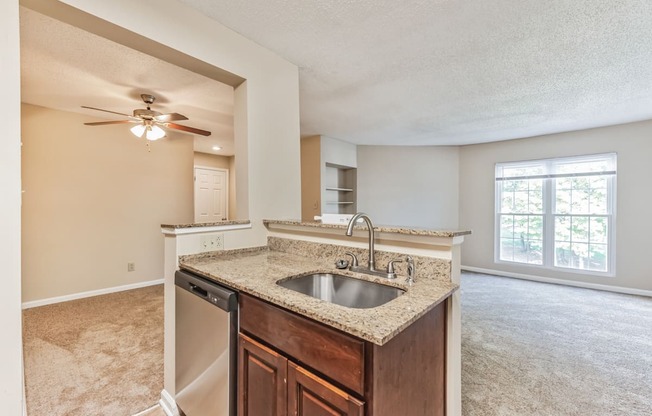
{"x": 262, "y": 378}
{"x": 308, "y": 395}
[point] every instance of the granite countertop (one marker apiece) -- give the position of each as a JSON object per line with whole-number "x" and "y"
{"x": 205, "y": 224}
{"x": 256, "y": 270}
{"x": 381, "y": 229}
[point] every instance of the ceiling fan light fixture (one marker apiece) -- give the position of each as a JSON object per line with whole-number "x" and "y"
{"x": 149, "y": 121}
{"x": 138, "y": 130}
{"x": 154, "y": 133}
{"x": 150, "y": 132}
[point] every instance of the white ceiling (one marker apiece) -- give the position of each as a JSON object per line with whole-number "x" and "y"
{"x": 63, "y": 67}
{"x": 416, "y": 72}
{"x": 422, "y": 72}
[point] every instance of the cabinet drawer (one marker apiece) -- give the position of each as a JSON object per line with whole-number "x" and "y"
{"x": 326, "y": 350}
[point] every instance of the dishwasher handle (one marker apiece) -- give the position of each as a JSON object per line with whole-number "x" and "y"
{"x": 198, "y": 290}
{"x": 218, "y": 295}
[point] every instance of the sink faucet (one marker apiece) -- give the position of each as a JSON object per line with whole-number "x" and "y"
{"x": 371, "y": 265}
{"x": 372, "y": 236}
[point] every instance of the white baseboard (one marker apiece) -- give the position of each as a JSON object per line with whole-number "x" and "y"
{"x": 147, "y": 411}
{"x": 596, "y": 286}
{"x": 168, "y": 404}
{"x": 91, "y": 293}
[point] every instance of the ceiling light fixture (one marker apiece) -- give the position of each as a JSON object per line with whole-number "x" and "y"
{"x": 151, "y": 132}
{"x": 216, "y": 148}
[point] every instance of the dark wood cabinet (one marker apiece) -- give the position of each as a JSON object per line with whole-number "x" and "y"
{"x": 270, "y": 385}
{"x": 309, "y": 395}
{"x": 262, "y": 380}
{"x": 328, "y": 372}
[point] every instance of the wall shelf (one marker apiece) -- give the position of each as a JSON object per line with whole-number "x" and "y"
{"x": 340, "y": 189}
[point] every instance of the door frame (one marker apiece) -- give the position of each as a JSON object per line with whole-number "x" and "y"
{"x": 194, "y": 189}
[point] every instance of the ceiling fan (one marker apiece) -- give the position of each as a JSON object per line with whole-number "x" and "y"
{"x": 148, "y": 122}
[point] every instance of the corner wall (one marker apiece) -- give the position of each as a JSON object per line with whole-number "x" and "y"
{"x": 94, "y": 199}
{"x": 413, "y": 186}
{"x": 633, "y": 228}
{"x": 11, "y": 360}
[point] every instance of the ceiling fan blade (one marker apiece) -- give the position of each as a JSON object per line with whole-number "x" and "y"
{"x": 164, "y": 118}
{"x": 187, "y": 129}
{"x": 102, "y": 123}
{"x": 107, "y": 111}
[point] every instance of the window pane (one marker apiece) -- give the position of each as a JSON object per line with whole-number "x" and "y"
{"x": 562, "y": 254}
{"x": 521, "y": 202}
{"x": 521, "y": 197}
{"x": 535, "y": 227}
{"x": 506, "y": 226}
{"x": 581, "y": 183}
{"x": 535, "y": 196}
{"x": 580, "y": 201}
{"x": 598, "y": 227}
{"x": 562, "y": 228}
{"x": 598, "y": 200}
{"x": 532, "y": 243}
{"x": 579, "y": 255}
{"x": 563, "y": 201}
{"x": 509, "y": 186}
{"x": 580, "y": 229}
{"x": 507, "y": 202}
{"x": 507, "y": 249}
{"x": 520, "y": 225}
{"x": 521, "y": 238}
{"x": 598, "y": 257}
{"x": 563, "y": 184}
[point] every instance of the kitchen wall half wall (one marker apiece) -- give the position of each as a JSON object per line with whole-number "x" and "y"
{"x": 93, "y": 200}
{"x": 633, "y": 226}
{"x": 414, "y": 186}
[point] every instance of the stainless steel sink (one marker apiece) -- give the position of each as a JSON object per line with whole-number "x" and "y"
{"x": 343, "y": 290}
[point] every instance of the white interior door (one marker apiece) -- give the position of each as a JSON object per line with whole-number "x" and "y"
{"x": 211, "y": 194}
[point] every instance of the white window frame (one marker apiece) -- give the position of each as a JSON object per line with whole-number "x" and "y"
{"x": 549, "y": 202}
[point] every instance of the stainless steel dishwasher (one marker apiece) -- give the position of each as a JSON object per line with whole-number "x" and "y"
{"x": 206, "y": 346}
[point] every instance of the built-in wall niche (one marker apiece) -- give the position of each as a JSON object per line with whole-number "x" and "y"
{"x": 339, "y": 189}
{"x": 328, "y": 177}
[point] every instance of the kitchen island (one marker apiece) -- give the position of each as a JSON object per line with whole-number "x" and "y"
{"x": 294, "y": 248}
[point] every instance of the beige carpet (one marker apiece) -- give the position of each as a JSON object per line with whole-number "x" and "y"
{"x": 99, "y": 356}
{"x": 532, "y": 349}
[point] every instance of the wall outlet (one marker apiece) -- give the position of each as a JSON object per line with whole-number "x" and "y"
{"x": 212, "y": 242}
{"x": 131, "y": 266}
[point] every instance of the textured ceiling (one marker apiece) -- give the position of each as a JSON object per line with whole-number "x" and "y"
{"x": 380, "y": 71}
{"x": 455, "y": 72}
{"x": 63, "y": 67}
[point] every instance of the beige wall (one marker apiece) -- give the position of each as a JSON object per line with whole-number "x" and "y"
{"x": 633, "y": 227}
{"x": 94, "y": 199}
{"x": 221, "y": 162}
{"x": 212, "y": 161}
{"x": 11, "y": 391}
{"x": 414, "y": 186}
